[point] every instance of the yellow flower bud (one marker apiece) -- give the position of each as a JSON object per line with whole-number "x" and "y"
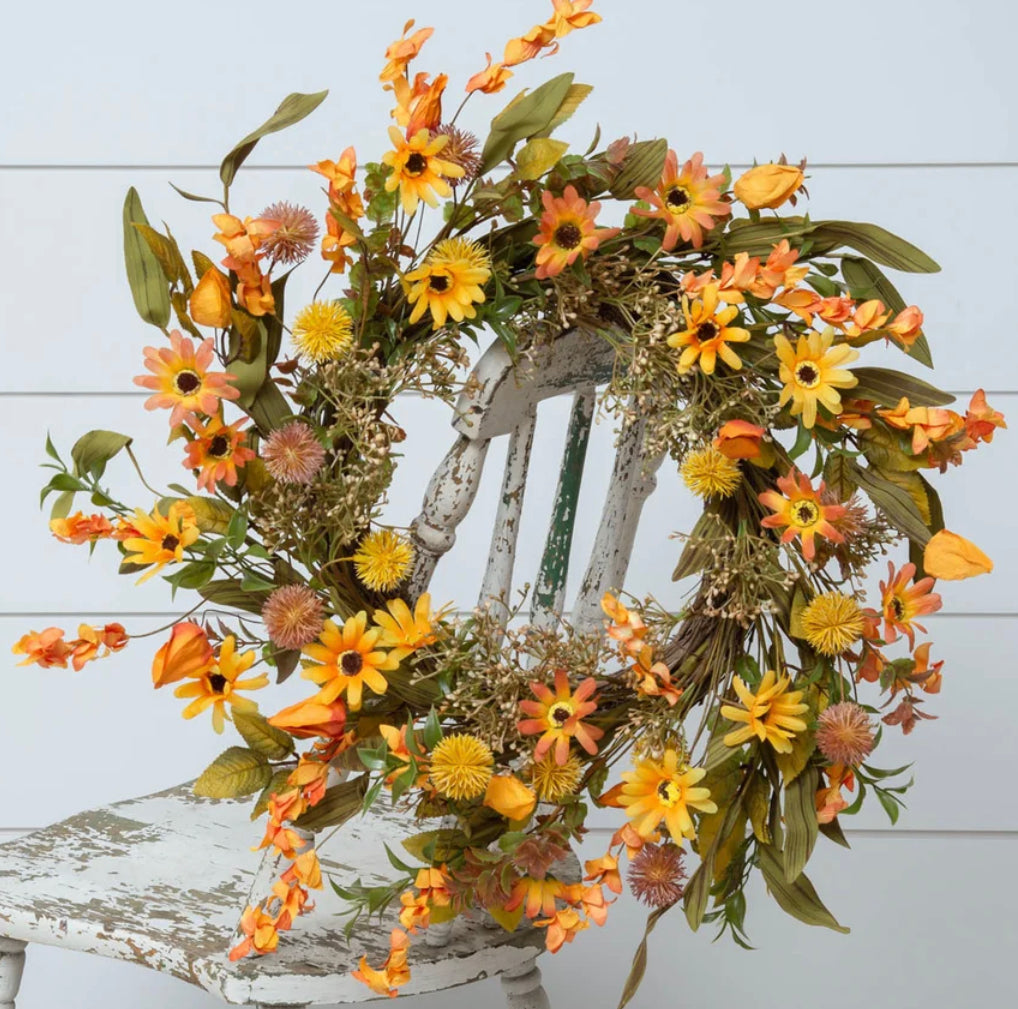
{"x": 766, "y": 187}
{"x": 508, "y": 795}
{"x": 952, "y": 557}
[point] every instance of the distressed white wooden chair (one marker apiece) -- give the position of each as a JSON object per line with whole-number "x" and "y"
{"x": 161, "y": 880}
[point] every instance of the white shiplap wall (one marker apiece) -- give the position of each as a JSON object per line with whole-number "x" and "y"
{"x": 905, "y": 119}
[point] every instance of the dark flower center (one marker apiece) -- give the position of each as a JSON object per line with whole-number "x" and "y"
{"x": 706, "y": 331}
{"x": 568, "y": 236}
{"x": 186, "y": 382}
{"x": 677, "y": 198}
{"x": 438, "y": 283}
{"x": 170, "y": 542}
{"x": 806, "y": 513}
{"x": 219, "y": 446}
{"x": 217, "y": 682}
{"x": 416, "y": 164}
{"x": 668, "y": 792}
{"x": 560, "y": 713}
{"x": 351, "y": 663}
{"x": 897, "y": 608}
{"x": 807, "y": 374}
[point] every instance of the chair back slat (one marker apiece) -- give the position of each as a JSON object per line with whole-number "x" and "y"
{"x": 549, "y": 589}
{"x": 496, "y": 587}
{"x": 633, "y": 480}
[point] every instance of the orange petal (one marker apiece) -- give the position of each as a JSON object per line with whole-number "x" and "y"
{"x": 952, "y": 557}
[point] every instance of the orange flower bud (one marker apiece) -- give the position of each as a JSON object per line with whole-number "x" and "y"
{"x": 210, "y": 303}
{"x": 187, "y": 653}
{"x": 952, "y": 557}
{"x": 308, "y": 719}
{"x": 738, "y": 439}
{"x": 508, "y": 795}
{"x": 766, "y": 187}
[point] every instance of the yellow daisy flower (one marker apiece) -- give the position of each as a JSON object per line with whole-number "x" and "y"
{"x": 771, "y": 714}
{"x": 217, "y": 686}
{"x": 707, "y": 334}
{"x": 450, "y": 282}
{"x": 664, "y": 789}
{"x": 161, "y": 539}
{"x": 404, "y": 632}
{"x": 417, "y": 171}
{"x": 812, "y": 373}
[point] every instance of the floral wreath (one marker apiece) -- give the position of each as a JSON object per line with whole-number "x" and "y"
{"x": 743, "y": 722}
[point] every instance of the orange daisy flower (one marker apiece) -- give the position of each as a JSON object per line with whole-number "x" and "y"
{"x": 217, "y": 451}
{"x": 567, "y": 231}
{"x": 218, "y": 686}
{"x": 687, "y": 201}
{"x": 558, "y": 716}
{"x": 162, "y": 539}
{"x": 800, "y": 510}
{"x": 347, "y": 660}
{"x": 182, "y": 380}
{"x": 901, "y": 603}
{"x": 707, "y": 334}
{"x": 417, "y": 171}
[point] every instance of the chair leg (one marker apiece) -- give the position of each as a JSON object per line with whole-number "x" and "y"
{"x": 12, "y": 963}
{"x": 522, "y": 987}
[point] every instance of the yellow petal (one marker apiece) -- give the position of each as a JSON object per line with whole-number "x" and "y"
{"x": 952, "y": 557}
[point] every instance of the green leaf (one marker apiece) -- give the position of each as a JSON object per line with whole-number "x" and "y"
{"x": 292, "y": 109}
{"x": 838, "y": 475}
{"x": 287, "y": 661}
{"x": 261, "y": 737}
{"x": 144, "y": 274}
{"x": 798, "y": 899}
{"x": 167, "y": 254}
{"x": 875, "y": 242}
{"x": 896, "y": 504}
{"x": 527, "y": 115}
{"x": 236, "y": 530}
{"x": 792, "y": 764}
{"x": 803, "y": 440}
{"x": 757, "y": 238}
{"x": 237, "y": 771}
{"x": 435, "y": 846}
{"x": 801, "y": 825}
{"x": 694, "y": 900}
{"x": 887, "y": 386}
{"x": 432, "y": 730}
{"x": 255, "y": 583}
{"x": 574, "y": 98}
{"x": 865, "y": 281}
{"x": 397, "y": 863}
{"x": 833, "y": 832}
{"x": 51, "y": 450}
{"x": 639, "y": 966}
{"x": 539, "y": 156}
{"x": 892, "y": 805}
{"x": 228, "y": 592}
{"x": 193, "y": 575}
{"x": 195, "y": 199}
{"x": 642, "y": 166}
{"x": 339, "y": 804}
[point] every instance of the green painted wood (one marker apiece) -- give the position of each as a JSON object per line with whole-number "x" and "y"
{"x": 551, "y": 579}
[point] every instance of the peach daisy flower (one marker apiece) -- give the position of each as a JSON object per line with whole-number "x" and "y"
{"x": 557, "y": 716}
{"x": 181, "y": 378}
{"x": 801, "y": 511}
{"x": 901, "y": 603}
{"x": 687, "y": 201}
{"x": 216, "y": 451}
{"x": 567, "y": 231}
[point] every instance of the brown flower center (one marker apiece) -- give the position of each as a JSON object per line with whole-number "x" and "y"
{"x": 897, "y": 608}
{"x": 807, "y": 375}
{"x": 219, "y": 446}
{"x": 568, "y": 236}
{"x": 351, "y": 663}
{"x": 707, "y": 331}
{"x": 438, "y": 283}
{"x": 668, "y": 792}
{"x": 170, "y": 542}
{"x": 217, "y": 682}
{"x": 560, "y": 713}
{"x": 677, "y": 198}
{"x": 416, "y": 164}
{"x": 186, "y": 382}
{"x": 805, "y": 513}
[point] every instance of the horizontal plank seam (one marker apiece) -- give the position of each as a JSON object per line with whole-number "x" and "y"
{"x": 61, "y": 614}
{"x": 916, "y": 834}
{"x": 136, "y": 167}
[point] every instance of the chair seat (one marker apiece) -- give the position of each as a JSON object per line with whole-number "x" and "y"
{"x": 161, "y": 881}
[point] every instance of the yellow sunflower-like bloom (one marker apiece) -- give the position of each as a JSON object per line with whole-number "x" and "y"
{"x": 162, "y": 539}
{"x": 322, "y": 330}
{"x": 771, "y": 714}
{"x": 461, "y": 767}
{"x": 553, "y": 781}
{"x": 383, "y": 560}
{"x": 417, "y": 171}
{"x": 347, "y": 660}
{"x": 217, "y": 686}
{"x": 404, "y": 632}
{"x": 450, "y": 282}
{"x": 707, "y": 334}
{"x": 710, "y": 473}
{"x": 664, "y": 789}
{"x": 832, "y": 622}
{"x": 812, "y": 373}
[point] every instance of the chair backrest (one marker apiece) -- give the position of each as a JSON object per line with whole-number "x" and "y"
{"x": 501, "y": 400}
